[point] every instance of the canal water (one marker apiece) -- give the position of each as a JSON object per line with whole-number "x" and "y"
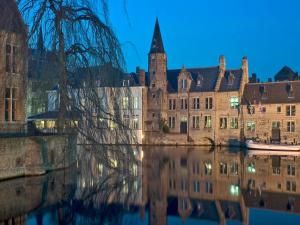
{"x": 157, "y": 186}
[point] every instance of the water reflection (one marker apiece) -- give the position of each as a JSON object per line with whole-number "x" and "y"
{"x": 164, "y": 185}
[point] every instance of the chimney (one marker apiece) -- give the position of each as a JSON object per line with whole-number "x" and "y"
{"x": 222, "y": 63}
{"x": 142, "y": 77}
{"x": 245, "y": 69}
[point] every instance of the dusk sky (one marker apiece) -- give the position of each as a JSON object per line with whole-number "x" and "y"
{"x": 196, "y": 32}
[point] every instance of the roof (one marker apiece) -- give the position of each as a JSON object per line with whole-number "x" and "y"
{"x": 272, "y": 93}
{"x": 10, "y": 17}
{"x": 286, "y": 74}
{"x": 207, "y": 77}
{"x": 157, "y": 45}
{"x": 231, "y": 80}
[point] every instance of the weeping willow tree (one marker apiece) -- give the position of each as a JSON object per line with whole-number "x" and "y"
{"x": 90, "y": 69}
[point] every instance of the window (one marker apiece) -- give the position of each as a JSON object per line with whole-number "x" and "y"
{"x": 183, "y": 162}
{"x": 207, "y": 168}
{"x": 125, "y": 103}
{"x": 184, "y": 104}
{"x": 275, "y": 124}
{"x": 196, "y": 186}
{"x": 223, "y": 123}
{"x": 207, "y": 122}
{"x": 125, "y": 83}
{"x": 196, "y": 103}
{"x": 11, "y": 59}
{"x": 291, "y": 170}
{"x": 250, "y": 126}
{"x": 172, "y": 184}
{"x": 135, "y": 122}
{"x": 251, "y": 109}
{"x": 291, "y": 126}
{"x": 196, "y": 167}
{"x": 234, "y": 190}
{"x": 234, "y": 168}
{"x": 8, "y": 58}
{"x": 196, "y": 122}
{"x": 171, "y": 121}
{"x": 223, "y": 168}
{"x": 183, "y": 185}
{"x": 209, "y": 103}
{"x": 234, "y": 102}
{"x": 172, "y": 104}
{"x": 126, "y": 119}
{"x": 276, "y": 170}
{"x": 172, "y": 165}
{"x": 291, "y": 186}
{"x": 135, "y": 102}
{"x": 278, "y": 109}
{"x": 209, "y": 187}
{"x": 291, "y": 110}
{"x": 234, "y": 123}
{"x": 263, "y": 109}
{"x": 10, "y": 104}
{"x": 184, "y": 84}
{"x": 251, "y": 168}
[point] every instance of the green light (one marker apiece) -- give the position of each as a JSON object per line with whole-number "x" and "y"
{"x": 251, "y": 168}
{"x": 234, "y": 190}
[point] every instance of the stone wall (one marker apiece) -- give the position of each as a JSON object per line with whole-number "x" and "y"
{"x": 26, "y": 156}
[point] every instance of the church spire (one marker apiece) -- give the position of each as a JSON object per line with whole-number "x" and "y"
{"x": 157, "y": 45}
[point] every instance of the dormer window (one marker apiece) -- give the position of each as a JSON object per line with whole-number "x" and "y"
{"x": 230, "y": 79}
{"x": 184, "y": 84}
{"x": 125, "y": 83}
{"x": 290, "y": 91}
{"x": 198, "y": 82}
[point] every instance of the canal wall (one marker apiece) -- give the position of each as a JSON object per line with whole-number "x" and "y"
{"x": 28, "y": 156}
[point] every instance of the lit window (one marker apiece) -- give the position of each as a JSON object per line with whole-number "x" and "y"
{"x": 275, "y": 124}
{"x": 125, "y": 103}
{"x": 234, "y": 190}
{"x": 250, "y": 126}
{"x": 135, "y": 122}
{"x": 135, "y": 102}
{"x": 207, "y": 168}
{"x": 234, "y": 123}
{"x": 234, "y": 102}
{"x": 207, "y": 122}
{"x": 251, "y": 168}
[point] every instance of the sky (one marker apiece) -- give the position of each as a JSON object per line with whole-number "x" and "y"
{"x": 197, "y": 32}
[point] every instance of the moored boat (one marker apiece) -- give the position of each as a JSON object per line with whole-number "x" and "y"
{"x": 271, "y": 147}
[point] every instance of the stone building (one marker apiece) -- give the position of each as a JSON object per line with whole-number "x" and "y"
{"x": 270, "y": 111}
{"x": 192, "y": 105}
{"x": 13, "y": 68}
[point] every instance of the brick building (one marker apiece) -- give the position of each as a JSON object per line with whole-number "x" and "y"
{"x": 217, "y": 105}
{"x": 193, "y": 105}
{"x": 13, "y": 48}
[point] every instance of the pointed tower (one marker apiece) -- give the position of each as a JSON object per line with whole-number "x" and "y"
{"x": 157, "y": 61}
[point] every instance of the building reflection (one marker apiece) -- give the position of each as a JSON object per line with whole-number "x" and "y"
{"x": 218, "y": 185}
{"x": 167, "y": 184}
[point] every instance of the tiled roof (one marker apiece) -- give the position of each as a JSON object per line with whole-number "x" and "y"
{"x": 208, "y": 77}
{"x": 10, "y": 18}
{"x": 285, "y": 74}
{"x": 231, "y": 80}
{"x": 272, "y": 93}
